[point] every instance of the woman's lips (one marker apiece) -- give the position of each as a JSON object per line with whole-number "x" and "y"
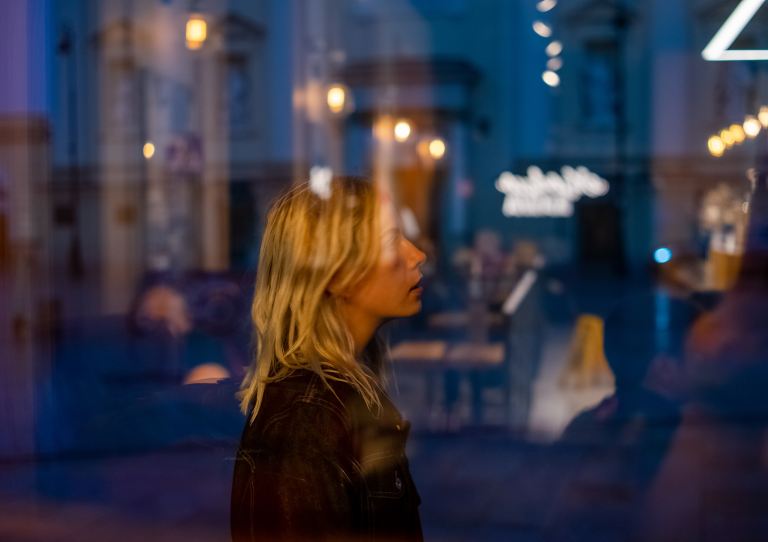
{"x": 417, "y": 288}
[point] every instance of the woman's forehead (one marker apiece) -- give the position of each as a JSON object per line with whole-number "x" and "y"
{"x": 388, "y": 217}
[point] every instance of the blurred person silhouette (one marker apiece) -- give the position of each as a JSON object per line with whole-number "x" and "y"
{"x": 482, "y": 268}
{"x": 163, "y": 315}
{"x": 165, "y": 306}
{"x": 322, "y": 454}
{"x": 616, "y": 447}
{"x": 172, "y": 384}
{"x": 713, "y": 485}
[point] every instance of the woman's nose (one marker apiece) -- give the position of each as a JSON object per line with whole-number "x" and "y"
{"x": 419, "y": 256}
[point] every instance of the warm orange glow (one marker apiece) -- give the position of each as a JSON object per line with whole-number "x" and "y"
{"x": 402, "y": 130}
{"x": 752, "y": 126}
{"x": 716, "y": 146}
{"x": 148, "y": 150}
{"x": 738, "y": 133}
{"x": 336, "y": 98}
{"x": 383, "y": 127}
{"x": 437, "y": 148}
{"x": 197, "y": 31}
{"x": 763, "y": 116}
{"x": 727, "y": 138}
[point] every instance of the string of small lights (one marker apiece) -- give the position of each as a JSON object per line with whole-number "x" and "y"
{"x": 736, "y": 134}
{"x": 554, "y": 48}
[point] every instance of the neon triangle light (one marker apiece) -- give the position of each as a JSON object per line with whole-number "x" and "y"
{"x": 717, "y": 48}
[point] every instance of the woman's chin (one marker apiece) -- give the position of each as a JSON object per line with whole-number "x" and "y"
{"x": 412, "y": 308}
{"x": 416, "y": 308}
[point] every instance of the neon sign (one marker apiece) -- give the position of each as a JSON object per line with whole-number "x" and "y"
{"x": 717, "y": 48}
{"x": 548, "y": 194}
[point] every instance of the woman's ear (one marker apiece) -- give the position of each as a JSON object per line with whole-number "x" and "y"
{"x": 335, "y": 289}
{"x": 333, "y": 292}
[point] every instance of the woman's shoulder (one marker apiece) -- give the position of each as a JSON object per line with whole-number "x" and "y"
{"x": 295, "y": 413}
{"x": 304, "y": 389}
{"x": 310, "y": 415}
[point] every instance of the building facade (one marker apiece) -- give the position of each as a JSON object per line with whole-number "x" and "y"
{"x": 165, "y": 156}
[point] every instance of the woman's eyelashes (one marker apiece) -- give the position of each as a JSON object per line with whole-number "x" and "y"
{"x": 392, "y": 235}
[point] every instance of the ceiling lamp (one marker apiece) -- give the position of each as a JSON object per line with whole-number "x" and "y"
{"x": 196, "y": 31}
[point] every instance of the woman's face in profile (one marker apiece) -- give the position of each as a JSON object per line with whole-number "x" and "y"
{"x": 392, "y": 289}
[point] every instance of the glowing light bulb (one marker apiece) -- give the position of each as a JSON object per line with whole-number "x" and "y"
{"x": 196, "y": 31}
{"x": 555, "y": 63}
{"x": 554, "y": 48}
{"x": 751, "y": 126}
{"x": 738, "y": 133}
{"x": 437, "y": 148}
{"x": 716, "y": 146}
{"x": 727, "y": 138}
{"x": 336, "y": 98}
{"x": 148, "y": 150}
{"x": 545, "y": 5}
{"x": 763, "y": 116}
{"x": 402, "y": 130}
{"x": 542, "y": 29}
{"x": 551, "y": 78}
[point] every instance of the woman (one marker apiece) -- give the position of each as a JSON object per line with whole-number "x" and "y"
{"x": 322, "y": 455}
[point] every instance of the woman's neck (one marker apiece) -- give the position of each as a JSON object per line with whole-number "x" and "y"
{"x": 361, "y": 326}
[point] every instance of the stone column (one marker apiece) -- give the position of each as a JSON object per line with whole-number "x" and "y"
{"x": 25, "y": 49}
{"x": 210, "y": 121}
{"x": 119, "y": 155}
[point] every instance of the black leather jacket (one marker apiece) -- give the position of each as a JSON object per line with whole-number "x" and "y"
{"x": 316, "y": 464}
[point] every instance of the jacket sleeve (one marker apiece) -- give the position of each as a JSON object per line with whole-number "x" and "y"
{"x": 302, "y": 486}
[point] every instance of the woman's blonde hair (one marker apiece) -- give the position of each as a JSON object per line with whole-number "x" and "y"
{"x": 315, "y": 246}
